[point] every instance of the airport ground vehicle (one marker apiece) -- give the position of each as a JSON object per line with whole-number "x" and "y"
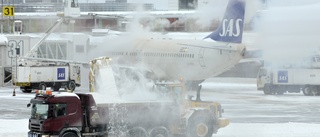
{"x": 94, "y": 114}
{"x": 33, "y": 71}
{"x": 279, "y": 81}
{"x": 43, "y": 76}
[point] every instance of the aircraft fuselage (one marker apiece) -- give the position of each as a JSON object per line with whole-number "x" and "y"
{"x": 174, "y": 59}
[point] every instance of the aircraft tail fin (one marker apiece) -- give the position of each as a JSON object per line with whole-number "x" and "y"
{"x": 231, "y": 26}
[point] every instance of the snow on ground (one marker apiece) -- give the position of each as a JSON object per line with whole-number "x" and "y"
{"x": 13, "y": 128}
{"x": 270, "y": 130}
{"x": 251, "y": 113}
{"x": 19, "y": 128}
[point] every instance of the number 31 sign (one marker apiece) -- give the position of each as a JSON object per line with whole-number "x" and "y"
{"x": 8, "y": 11}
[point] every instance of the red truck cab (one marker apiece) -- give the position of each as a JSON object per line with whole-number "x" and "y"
{"x": 55, "y": 114}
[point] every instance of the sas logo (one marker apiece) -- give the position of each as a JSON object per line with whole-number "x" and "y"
{"x": 282, "y": 76}
{"x": 227, "y": 28}
{"x": 61, "y": 75}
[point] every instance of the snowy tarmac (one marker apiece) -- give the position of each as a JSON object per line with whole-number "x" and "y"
{"x": 243, "y": 103}
{"x": 251, "y": 113}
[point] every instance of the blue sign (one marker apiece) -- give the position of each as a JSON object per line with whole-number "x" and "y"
{"x": 61, "y": 75}
{"x": 282, "y": 76}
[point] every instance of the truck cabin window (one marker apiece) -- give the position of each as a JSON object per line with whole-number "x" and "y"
{"x": 60, "y": 110}
{"x": 39, "y": 111}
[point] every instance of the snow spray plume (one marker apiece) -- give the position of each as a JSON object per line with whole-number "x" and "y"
{"x": 131, "y": 82}
{"x": 122, "y": 115}
{"x": 288, "y": 35}
{"x": 140, "y": 21}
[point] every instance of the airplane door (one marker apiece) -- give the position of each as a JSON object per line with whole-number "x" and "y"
{"x": 201, "y": 57}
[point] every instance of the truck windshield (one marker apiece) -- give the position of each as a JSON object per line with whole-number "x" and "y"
{"x": 39, "y": 111}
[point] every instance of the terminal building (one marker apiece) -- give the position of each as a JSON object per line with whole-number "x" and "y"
{"x": 37, "y": 15}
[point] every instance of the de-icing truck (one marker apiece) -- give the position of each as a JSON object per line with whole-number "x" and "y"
{"x": 40, "y": 74}
{"x": 280, "y": 80}
{"x": 39, "y": 77}
{"x": 97, "y": 114}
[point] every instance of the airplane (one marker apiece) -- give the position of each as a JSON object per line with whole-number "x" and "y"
{"x": 192, "y": 60}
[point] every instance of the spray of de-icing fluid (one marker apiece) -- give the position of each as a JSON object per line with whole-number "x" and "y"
{"x": 288, "y": 32}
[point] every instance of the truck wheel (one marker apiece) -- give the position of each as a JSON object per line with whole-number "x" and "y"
{"x": 159, "y": 132}
{"x": 200, "y": 126}
{"x": 42, "y": 86}
{"x": 138, "y": 132}
{"x": 307, "y": 91}
{"x": 72, "y": 86}
{"x": 69, "y": 134}
{"x": 267, "y": 90}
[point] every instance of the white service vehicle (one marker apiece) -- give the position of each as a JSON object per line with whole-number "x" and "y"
{"x": 294, "y": 80}
{"x": 41, "y": 77}
{"x": 38, "y": 73}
